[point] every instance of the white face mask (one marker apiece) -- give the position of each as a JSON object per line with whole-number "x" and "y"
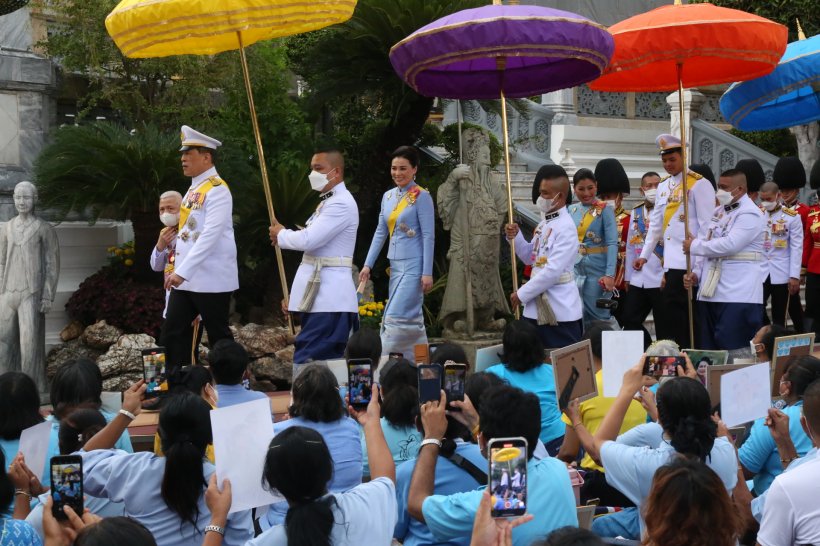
{"x": 768, "y": 205}
{"x": 318, "y": 180}
{"x": 544, "y": 204}
{"x": 753, "y": 346}
{"x": 723, "y": 197}
{"x": 650, "y": 195}
{"x": 169, "y": 219}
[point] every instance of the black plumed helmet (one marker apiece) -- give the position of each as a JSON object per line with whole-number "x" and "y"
{"x": 547, "y": 172}
{"x": 814, "y": 177}
{"x": 789, "y": 173}
{"x": 611, "y": 176}
{"x": 755, "y": 177}
{"x": 704, "y": 170}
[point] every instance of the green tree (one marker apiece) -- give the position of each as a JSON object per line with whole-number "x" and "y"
{"x": 107, "y": 171}
{"x": 783, "y": 11}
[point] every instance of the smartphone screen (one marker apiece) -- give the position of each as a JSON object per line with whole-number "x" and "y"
{"x": 663, "y": 366}
{"x": 454, "y": 378}
{"x": 153, "y": 371}
{"x": 67, "y": 484}
{"x": 359, "y": 381}
{"x": 429, "y": 383}
{"x": 508, "y": 476}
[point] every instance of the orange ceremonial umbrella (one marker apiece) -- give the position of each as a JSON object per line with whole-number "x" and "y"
{"x": 160, "y": 28}
{"x": 690, "y": 45}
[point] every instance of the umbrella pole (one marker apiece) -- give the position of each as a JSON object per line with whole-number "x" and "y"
{"x": 264, "y": 169}
{"x": 460, "y": 121}
{"x": 684, "y": 176}
{"x": 509, "y": 196}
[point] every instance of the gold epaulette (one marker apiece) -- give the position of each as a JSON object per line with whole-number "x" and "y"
{"x": 216, "y": 181}
{"x": 789, "y": 211}
{"x": 695, "y": 175}
{"x": 666, "y": 177}
{"x": 814, "y": 212}
{"x": 622, "y": 215}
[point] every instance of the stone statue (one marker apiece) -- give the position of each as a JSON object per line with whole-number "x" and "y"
{"x": 472, "y": 207}
{"x": 29, "y": 268}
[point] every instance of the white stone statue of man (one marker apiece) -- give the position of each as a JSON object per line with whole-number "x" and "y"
{"x": 29, "y": 268}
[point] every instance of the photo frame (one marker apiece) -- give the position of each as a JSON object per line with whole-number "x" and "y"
{"x": 487, "y": 356}
{"x": 709, "y": 358}
{"x": 574, "y": 371}
{"x": 713, "y": 375}
{"x": 785, "y": 349}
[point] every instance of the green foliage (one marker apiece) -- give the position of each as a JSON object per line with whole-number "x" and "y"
{"x": 108, "y": 170}
{"x": 779, "y": 142}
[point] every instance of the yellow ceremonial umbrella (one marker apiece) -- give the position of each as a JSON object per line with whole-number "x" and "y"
{"x": 160, "y": 28}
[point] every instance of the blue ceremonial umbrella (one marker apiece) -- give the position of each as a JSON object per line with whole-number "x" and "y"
{"x": 788, "y": 96}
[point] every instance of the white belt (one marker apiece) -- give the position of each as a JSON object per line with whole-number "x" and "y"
{"x": 312, "y": 288}
{"x": 710, "y": 283}
{"x": 745, "y": 257}
{"x": 565, "y": 278}
{"x": 543, "y": 308}
{"x": 327, "y": 261}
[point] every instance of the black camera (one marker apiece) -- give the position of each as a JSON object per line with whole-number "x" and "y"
{"x": 606, "y": 303}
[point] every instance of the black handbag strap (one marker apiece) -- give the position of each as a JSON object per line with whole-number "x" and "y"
{"x": 477, "y": 474}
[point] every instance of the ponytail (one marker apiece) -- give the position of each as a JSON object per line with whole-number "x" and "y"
{"x": 185, "y": 432}
{"x": 684, "y": 410}
{"x": 309, "y": 521}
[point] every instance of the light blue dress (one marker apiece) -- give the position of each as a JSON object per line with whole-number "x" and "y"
{"x": 449, "y": 479}
{"x": 15, "y": 532}
{"x": 600, "y": 240}
{"x": 135, "y": 479}
{"x": 541, "y": 382}
{"x": 342, "y": 439}
{"x": 759, "y": 454}
{"x": 410, "y": 251}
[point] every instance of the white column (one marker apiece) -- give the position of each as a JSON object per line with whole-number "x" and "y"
{"x": 692, "y": 101}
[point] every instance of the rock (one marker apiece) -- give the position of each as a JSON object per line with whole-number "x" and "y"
{"x": 64, "y": 352}
{"x": 101, "y": 335}
{"x": 263, "y": 386}
{"x": 120, "y": 360}
{"x": 73, "y": 330}
{"x": 136, "y": 341}
{"x": 271, "y": 369}
{"x": 261, "y": 340}
{"x": 121, "y": 382}
{"x": 286, "y": 354}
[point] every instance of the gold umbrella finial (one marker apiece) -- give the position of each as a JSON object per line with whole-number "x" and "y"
{"x": 800, "y": 34}
{"x": 678, "y": 3}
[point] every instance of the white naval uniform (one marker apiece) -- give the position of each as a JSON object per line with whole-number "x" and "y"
{"x": 557, "y": 249}
{"x": 205, "y": 246}
{"x": 158, "y": 262}
{"x": 783, "y": 245}
{"x": 736, "y": 228}
{"x": 701, "y": 205}
{"x": 651, "y": 273}
{"x": 330, "y": 232}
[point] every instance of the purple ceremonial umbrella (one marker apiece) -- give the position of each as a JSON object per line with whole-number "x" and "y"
{"x": 500, "y": 51}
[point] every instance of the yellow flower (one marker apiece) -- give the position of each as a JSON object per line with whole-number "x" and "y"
{"x": 111, "y": 249}
{"x": 129, "y": 251}
{"x": 129, "y": 262}
{"x": 381, "y": 307}
{"x": 362, "y": 311}
{"x": 370, "y": 313}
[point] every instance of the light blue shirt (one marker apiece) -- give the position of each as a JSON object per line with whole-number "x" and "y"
{"x": 342, "y": 439}
{"x": 99, "y": 507}
{"x": 646, "y": 435}
{"x": 135, "y": 479}
{"x": 759, "y": 503}
{"x": 549, "y": 495}
{"x": 449, "y": 479}
{"x": 364, "y": 515}
{"x": 403, "y": 442}
{"x": 630, "y": 469}
{"x": 417, "y": 219}
{"x": 231, "y": 395}
{"x": 541, "y": 382}
{"x": 759, "y": 454}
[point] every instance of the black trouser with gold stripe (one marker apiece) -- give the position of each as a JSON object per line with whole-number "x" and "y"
{"x": 183, "y": 308}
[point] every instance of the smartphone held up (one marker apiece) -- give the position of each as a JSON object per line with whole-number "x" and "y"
{"x": 66, "y": 485}
{"x": 663, "y": 366}
{"x": 359, "y": 382}
{"x": 508, "y": 476}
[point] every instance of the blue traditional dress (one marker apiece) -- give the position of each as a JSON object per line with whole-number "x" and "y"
{"x": 407, "y": 218}
{"x": 597, "y": 254}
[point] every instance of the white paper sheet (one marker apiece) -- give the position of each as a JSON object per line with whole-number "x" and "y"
{"x": 620, "y": 350}
{"x": 745, "y": 395}
{"x": 242, "y": 434}
{"x": 34, "y": 447}
{"x": 111, "y": 401}
{"x": 486, "y": 357}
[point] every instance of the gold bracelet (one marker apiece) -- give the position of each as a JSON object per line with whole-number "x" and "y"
{"x": 788, "y": 461}
{"x": 21, "y": 492}
{"x": 474, "y": 432}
